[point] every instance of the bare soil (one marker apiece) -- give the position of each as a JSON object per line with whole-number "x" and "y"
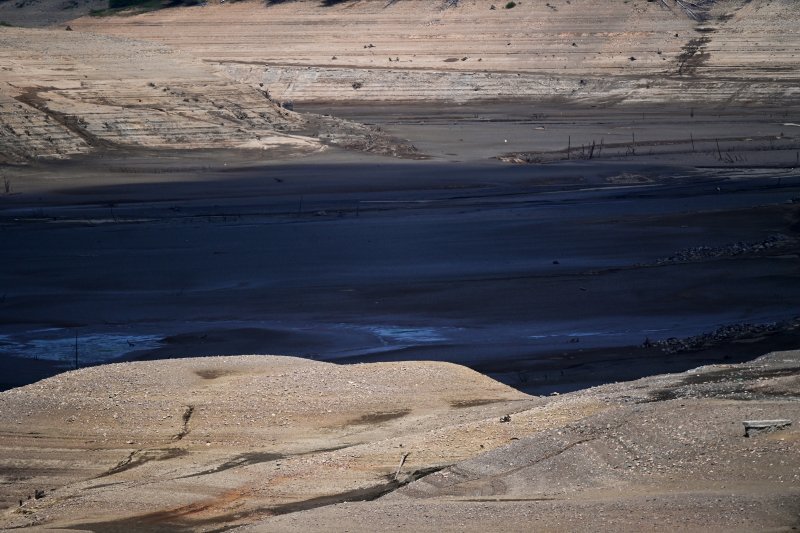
{"x": 621, "y": 175}
{"x": 421, "y": 51}
{"x": 282, "y": 443}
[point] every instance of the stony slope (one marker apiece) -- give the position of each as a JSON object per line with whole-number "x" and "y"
{"x": 663, "y": 454}
{"x": 226, "y": 439}
{"x": 208, "y": 443}
{"x": 65, "y": 93}
{"x": 210, "y": 76}
{"x": 747, "y": 52}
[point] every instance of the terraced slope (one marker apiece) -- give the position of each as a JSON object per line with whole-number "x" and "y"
{"x": 747, "y": 52}
{"x": 65, "y": 93}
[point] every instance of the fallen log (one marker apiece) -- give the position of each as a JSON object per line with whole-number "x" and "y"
{"x": 751, "y": 426}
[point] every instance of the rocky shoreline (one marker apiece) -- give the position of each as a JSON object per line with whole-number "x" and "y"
{"x": 724, "y": 335}
{"x": 773, "y": 244}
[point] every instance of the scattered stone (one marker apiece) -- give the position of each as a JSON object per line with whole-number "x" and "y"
{"x": 723, "y": 335}
{"x": 703, "y": 253}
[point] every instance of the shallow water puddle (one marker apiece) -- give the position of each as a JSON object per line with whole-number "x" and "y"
{"x": 58, "y": 344}
{"x": 393, "y": 334}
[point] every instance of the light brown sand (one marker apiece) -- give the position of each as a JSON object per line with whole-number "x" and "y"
{"x": 209, "y": 443}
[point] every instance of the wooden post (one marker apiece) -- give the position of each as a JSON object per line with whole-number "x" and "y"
{"x": 76, "y": 350}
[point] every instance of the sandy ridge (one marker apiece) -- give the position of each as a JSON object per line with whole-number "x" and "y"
{"x": 201, "y": 443}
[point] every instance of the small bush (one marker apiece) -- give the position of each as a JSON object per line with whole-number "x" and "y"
{"x": 510, "y": 5}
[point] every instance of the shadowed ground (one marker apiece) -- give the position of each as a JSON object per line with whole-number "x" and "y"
{"x": 519, "y": 270}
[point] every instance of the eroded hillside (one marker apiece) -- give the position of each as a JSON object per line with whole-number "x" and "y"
{"x": 216, "y": 75}
{"x": 64, "y": 93}
{"x": 578, "y": 50}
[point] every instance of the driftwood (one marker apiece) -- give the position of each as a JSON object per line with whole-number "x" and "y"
{"x": 751, "y": 426}
{"x": 694, "y": 9}
{"x": 400, "y": 466}
{"x": 447, "y": 3}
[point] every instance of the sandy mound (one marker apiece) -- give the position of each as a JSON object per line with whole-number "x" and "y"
{"x": 665, "y": 454}
{"x": 279, "y": 442}
{"x": 231, "y": 438}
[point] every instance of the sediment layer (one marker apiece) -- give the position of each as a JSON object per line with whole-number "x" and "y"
{"x": 412, "y": 50}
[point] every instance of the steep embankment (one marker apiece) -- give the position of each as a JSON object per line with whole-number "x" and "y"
{"x": 579, "y": 50}
{"x": 199, "y": 444}
{"x": 210, "y": 76}
{"x": 65, "y": 93}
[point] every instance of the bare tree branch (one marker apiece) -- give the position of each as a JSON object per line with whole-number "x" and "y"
{"x": 694, "y": 9}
